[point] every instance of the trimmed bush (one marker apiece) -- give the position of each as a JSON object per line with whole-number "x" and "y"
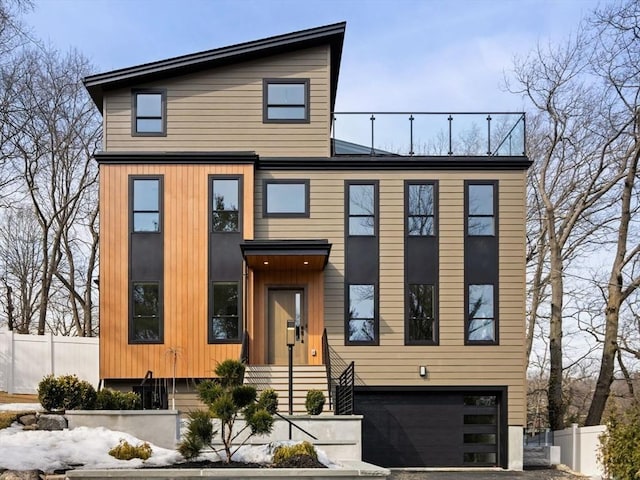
{"x": 314, "y": 402}
{"x": 66, "y": 392}
{"x": 284, "y": 453}
{"x": 199, "y": 434}
{"x": 619, "y": 451}
{"x": 108, "y": 399}
{"x": 269, "y": 400}
{"x": 125, "y": 451}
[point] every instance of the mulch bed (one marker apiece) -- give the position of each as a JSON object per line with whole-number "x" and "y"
{"x": 297, "y": 461}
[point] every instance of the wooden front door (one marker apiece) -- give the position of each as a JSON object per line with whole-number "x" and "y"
{"x": 285, "y": 305}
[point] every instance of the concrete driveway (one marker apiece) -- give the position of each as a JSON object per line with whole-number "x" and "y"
{"x": 537, "y": 474}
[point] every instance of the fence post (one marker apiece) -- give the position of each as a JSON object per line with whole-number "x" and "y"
{"x": 10, "y": 363}
{"x": 51, "y": 353}
{"x": 574, "y": 447}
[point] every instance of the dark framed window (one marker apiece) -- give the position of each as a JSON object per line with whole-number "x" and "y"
{"x": 146, "y": 319}
{"x": 481, "y": 209}
{"x": 422, "y": 323}
{"x": 285, "y": 100}
{"x": 225, "y": 320}
{"x": 481, "y": 316}
{"x": 285, "y": 198}
{"x": 420, "y": 209}
{"x": 363, "y": 318}
{"x": 145, "y": 205}
{"x": 362, "y": 207}
{"x": 149, "y": 112}
{"x": 225, "y": 204}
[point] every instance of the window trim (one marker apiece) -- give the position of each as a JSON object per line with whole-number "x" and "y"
{"x": 376, "y": 314}
{"x": 132, "y": 180}
{"x": 290, "y": 181}
{"x": 467, "y": 317}
{"x": 134, "y": 112}
{"x": 467, "y": 185}
{"x": 211, "y": 211}
{"x": 436, "y": 321}
{"x": 132, "y": 340}
{"x": 265, "y": 100}
{"x": 376, "y": 207}
{"x": 210, "y": 338}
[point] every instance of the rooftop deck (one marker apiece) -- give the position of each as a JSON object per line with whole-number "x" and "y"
{"x": 498, "y": 134}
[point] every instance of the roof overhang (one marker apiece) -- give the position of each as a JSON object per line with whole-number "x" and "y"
{"x": 332, "y": 35}
{"x": 176, "y": 157}
{"x": 286, "y": 254}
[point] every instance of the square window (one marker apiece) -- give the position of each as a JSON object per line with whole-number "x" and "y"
{"x": 149, "y": 112}
{"x": 225, "y": 201}
{"x": 225, "y": 320}
{"x": 146, "y": 326}
{"x": 286, "y": 198}
{"x": 286, "y": 101}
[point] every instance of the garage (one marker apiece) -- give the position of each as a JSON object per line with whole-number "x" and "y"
{"x": 408, "y": 427}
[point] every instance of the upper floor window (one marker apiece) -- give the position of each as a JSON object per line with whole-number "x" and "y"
{"x": 286, "y": 100}
{"x": 225, "y": 323}
{"x": 362, "y": 209}
{"x": 422, "y": 324}
{"x": 362, "y": 321}
{"x": 146, "y": 205}
{"x": 286, "y": 198}
{"x": 146, "y": 321}
{"x": 481, "y": 322}
{"x": 225, "y": 203}
{"x": 481, "y": 209}
{"x": 420, "y": 209}
{"x": 149, "y": 112}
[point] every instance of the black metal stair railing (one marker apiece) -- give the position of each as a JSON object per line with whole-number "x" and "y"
{"x": 344, "y": 391}
{"x": 326, "y": 359}
{"x": 244, "y": 351}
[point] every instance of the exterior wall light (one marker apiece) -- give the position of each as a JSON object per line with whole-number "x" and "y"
{"x": 423, "y": 371}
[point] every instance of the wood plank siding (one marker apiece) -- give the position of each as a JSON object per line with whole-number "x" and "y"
{"x": 185, "y": 271}
{"x": 450, "y": 363}
{"x": 221, "y": 110}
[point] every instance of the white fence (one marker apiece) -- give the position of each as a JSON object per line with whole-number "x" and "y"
{"x": 579, "y": 448}
{"x": 25, "y": 359}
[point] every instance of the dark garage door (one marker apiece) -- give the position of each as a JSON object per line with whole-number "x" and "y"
{"x": 431, "y": 429}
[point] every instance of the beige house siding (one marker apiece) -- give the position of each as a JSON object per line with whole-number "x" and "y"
{"x": 221, "y": 110}
{"x": 393, "y": 363}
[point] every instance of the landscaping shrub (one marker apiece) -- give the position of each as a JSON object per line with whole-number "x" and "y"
{"x": 125, "y": 451}
{"x": 314, "y": 402}
{"x": 284, "y": 453}
{"x": 619, "y": 451}
{"x": 108, "y": 399}
{"x": 66, "y": 392}
{"x": 199, "y": 434}
{"x": 269, "y": 400}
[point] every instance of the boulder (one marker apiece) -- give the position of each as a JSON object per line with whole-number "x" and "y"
{"x": 28, "y": 419}
{"x": 52, "y": 422}
{"x": 21, "y": 475}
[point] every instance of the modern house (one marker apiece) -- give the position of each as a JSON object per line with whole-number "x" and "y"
{"x": 234, "y": 199}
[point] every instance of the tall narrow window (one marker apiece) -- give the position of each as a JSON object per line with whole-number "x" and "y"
{"x": 481, "y": 320}
{"x": 480, "y": 219}
{"x": 286, "y": 100}
{"x": 362, "y": 203}
{"x": 420, "y": 212}
{"x": 146, "y": 322}
{"x": 422, "y": 323}
{"x": 362, "y": 313}
{"x": 225, "y": 205}
{"x": 146, "y": 205}
{"x": 225, "y": 321}
{"x": 149, "y": 112}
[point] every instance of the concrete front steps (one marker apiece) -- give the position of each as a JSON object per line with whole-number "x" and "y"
{"x": 305, "y": 378}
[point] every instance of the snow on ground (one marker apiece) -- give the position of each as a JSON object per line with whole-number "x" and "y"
{"x": 18, "y": 407}
{"x": 89, "y": 447}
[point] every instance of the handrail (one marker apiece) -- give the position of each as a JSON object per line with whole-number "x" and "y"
{"x": 344, "y": 391}
{"x": 147, "y": 376}
{"x": 244, "y": 351}
{"x": 293, "y": 424}
{"x": 326, "y": 359}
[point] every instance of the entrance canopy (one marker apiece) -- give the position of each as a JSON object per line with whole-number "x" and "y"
{"x": 311, "y": 255}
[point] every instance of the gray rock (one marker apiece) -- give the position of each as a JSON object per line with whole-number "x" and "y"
{"x": 31, "y": 427}
{"x": 20, "y": 475}
{"x": 29, "y": 419}
{"x": 52, "y": 422}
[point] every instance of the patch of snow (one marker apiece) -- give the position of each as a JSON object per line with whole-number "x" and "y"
{"x": 16, "y": 407}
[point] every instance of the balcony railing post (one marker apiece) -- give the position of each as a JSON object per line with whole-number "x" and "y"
{"x": 373, "y": 119}
{"x": 333, "y": 134}
{"x": 411, "y": 134}
{"x": 450, "y": 145}
{"x": 524, "y": 134}
{"x": 489, "y": 134}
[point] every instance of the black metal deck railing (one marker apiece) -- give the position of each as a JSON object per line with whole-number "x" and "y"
{"x": 344, "y": 391}
{"x": 428, "y": 133}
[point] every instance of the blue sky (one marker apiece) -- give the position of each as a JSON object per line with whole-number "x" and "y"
{"x": 399, "y": 54}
